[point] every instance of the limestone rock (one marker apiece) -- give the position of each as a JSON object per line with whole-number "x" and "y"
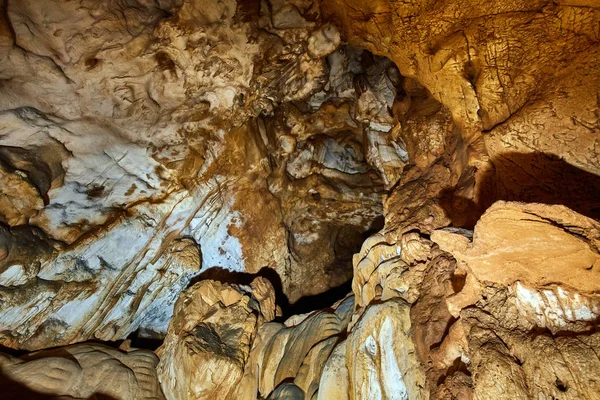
{"x": 380, "y": 355}
{"x": 536, "y": 244}
{"x": 389, "y": 267}
{"x": 334, "y": 383}
{"x": 210, "y": 336}
{"x": 480, "y": 308}
{"x": 523, "y": 114}
{"x": 81, "y": 371}
{"x": 526, "y": 305}
{"x": 309, "y": 374}
{"x": 85, "y": 306}
{"x": 115, "y": 150}
{"x": 447, "y": 61}
{"x": 442, "y": 155}
{"x": 290, "y": 351}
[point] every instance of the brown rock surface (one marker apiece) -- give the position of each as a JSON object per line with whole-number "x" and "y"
{"x": 210, "y": 336}
{"x": 477, "y": 311}
{"x": 81, "y": 371}
{"x": 519, "y": 80}
{"x": 143, "y": 138}
{"x": 296, "y": 350}
{"x": 535, "y": 244}
{"x": 526, "y": 314}
{"x": 441, "y": 155}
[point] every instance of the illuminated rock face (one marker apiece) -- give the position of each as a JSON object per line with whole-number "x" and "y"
{"x": 208, "y": 343}
{"x": 143, "y": 144}
{"x": 185, "y": 171}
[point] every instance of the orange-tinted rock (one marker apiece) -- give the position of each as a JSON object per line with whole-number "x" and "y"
{"x": 210, "y": 336}
{"x": 281, "y": 148}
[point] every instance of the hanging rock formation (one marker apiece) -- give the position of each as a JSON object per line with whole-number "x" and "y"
{"x": 192, "y": 137}
{"x": 298, "y": 199}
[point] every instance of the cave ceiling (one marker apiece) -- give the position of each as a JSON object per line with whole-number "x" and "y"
{"x": 300, "y": 199}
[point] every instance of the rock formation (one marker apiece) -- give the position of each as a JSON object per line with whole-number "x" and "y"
{"x": 81, "y": 371}
{"x": 527, "y": 310}
{"x": 297, "y": 199}
{"x": 208, "y": 342}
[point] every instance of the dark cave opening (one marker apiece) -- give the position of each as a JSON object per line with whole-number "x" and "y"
{"x": 140, "y": 342}
{"x": 534, "y": 178}
{"x": 306, "y": 304}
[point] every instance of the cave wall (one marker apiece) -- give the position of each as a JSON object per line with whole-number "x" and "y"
{"x": 146, "y": 144}
{"x": 195, "y": 172}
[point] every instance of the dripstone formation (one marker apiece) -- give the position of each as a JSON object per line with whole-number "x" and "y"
{"x": 300, "y": 199}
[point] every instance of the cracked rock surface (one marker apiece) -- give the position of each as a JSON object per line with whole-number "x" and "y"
{"x": 299, "y": 199}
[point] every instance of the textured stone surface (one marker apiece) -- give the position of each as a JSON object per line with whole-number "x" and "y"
{"x": 525, "y": 316}
{"x": 196, "y": 172}
{"x": 81, "y": 371}
{"x": 518, "y": 79}
{"x": 380, "y": 355}
{"x": 209, "y": 339}
{"x": 537, "y": 245}
{"x": 296, "y": 350}
{"x": 472, "y": 316}
{"x": 146, "y": 143}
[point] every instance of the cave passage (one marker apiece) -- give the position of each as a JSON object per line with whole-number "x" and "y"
{"x": 298, "y": 199}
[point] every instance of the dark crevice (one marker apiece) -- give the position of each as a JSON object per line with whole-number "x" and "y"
{"x": 451, "y": 322}
{"x": 139, "y": 342}
{"x": 303, "y": 305}
{"x": 527, "y": 177}
{"x": 458, "y": 366}
{"x": 316, "y": 302}
{"x": 458, "y": 281}
{"x": 542, "y": 331}
{"x": 560, "y": 385}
